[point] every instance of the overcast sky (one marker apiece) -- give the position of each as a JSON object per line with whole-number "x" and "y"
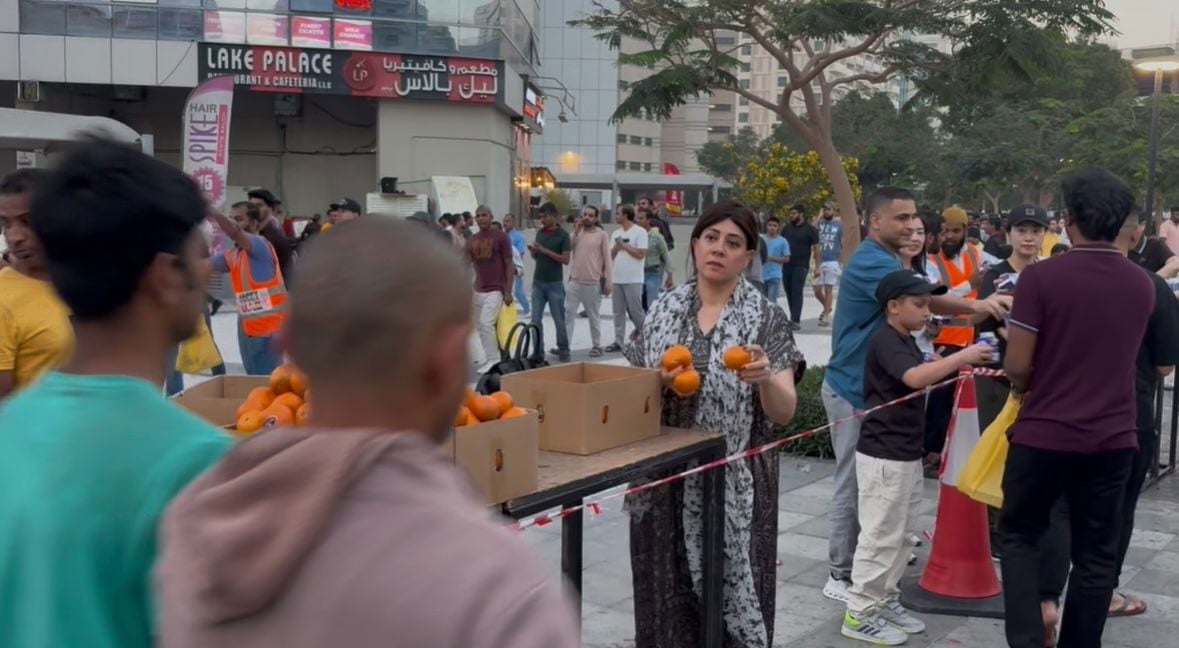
{"x": 1144, "y": 22}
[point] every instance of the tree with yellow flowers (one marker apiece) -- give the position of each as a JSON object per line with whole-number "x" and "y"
{"x": 780, "y": 178}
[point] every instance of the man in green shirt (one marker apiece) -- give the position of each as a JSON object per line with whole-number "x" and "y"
{"x": 658, "y": 262}
{"x": 551, "y": 251}
{"x": 91, "y": 454}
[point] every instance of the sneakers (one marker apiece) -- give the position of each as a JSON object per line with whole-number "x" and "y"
{"x": 872, "y": 628}
{"x": 898, "y": 617}
{"x": 836, "y": 589}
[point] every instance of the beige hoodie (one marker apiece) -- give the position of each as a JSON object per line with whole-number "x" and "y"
{"x": 347, "y": 539}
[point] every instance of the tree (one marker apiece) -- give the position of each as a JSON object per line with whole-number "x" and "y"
{"x": 562, "y": 201}
{"x": 724, "y": 160}
{"x": 780, "y": 178}
{"x": 679, "y": 39}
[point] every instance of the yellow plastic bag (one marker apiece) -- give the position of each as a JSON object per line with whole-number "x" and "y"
{"x": 504, "y": 322}
{"x": 198, "y": 353}
{"x": 981, "y": 478}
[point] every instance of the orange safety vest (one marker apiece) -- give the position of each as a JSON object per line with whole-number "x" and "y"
{"x": 959, "y": 331}
{"x": 261, "y": 305}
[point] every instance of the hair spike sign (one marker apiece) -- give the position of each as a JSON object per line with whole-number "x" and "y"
{"x": 206, "y": 138}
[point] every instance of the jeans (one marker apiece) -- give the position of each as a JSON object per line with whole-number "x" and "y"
{"x": 519, "y": 293}
{"x": 551, "y": 293}
{"x": 589, "y": 296}
{"x": 843, "y": 515}
{"x": 628, "y": 301}
{"x": 773, "y": 289}
{"x": 651, "y": 285}
{"x": 794, "y": 280}
{"x": 258, "y": 355}
{"x": 1094, "y": 486}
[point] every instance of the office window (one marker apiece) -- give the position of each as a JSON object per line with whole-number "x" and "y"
{"x": 621, "y": 138}
{"x": 42, "y": 17}
{"x": 623, "y": 85}
{"x": 746, "y": 50}
{"x": 635, "y": 166}
{"x": 723, "y": 130}
{"x": 744, "y": 84}
{"x": 647, "y": 141}
{"x": 134, "y": 22}
{"x": 743, "y": 101}
{"x": 620, "y": 165}
{"x": 721, "y": 107}
{"x": 781, "y": 82}
{"x": 745, "y": 67}
{"x": 181, "y": 24}
{"x": 647, "y": 167}
{"x": 88, "y": 20}
{"x": 743, "y": 118}
{"x": 636, "y": 140}
{"x": 725, "y": 41}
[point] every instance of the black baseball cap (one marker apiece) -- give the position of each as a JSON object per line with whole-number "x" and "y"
{"x": 347, "y": 204}
{"x": 1027, "y": 213}
{"x": 903, "y": 283}
{"x": 265, "y": 196}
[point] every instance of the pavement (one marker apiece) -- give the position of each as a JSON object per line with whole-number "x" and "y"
{"x": 804, "y": 618}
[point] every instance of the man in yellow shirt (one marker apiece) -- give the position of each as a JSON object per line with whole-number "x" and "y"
{"x": 35, "y": 331}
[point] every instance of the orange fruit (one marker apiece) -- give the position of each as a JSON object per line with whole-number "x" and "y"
{"x": 277, "y": 415}
{"x": 303, "y": 414}
{"x": 737, "y": 357}
{"x": 251, "y": 405}
{"x": 264, "y": 395}
{"x": 504, "y": 399}
{"x": 514, "y": 412}
{"x": 486, "y": 408}
{"x": 687, "y": 383}
{"x": 290, "y": 400}
{"x": 469, "y": 401}
{"x": 250, "y": 422}
{"x": 280, "y": 379}
{"x": 677, "y": 356}
{"x": 464, "y": 417}
{"x": 307, "y": 392}
{"x": 298, "y": 381}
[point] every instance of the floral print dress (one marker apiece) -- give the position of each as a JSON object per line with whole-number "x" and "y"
{"x": 666, "y": 533}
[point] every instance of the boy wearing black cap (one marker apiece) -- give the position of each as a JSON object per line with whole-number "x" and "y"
{"x": 888, "y": 457}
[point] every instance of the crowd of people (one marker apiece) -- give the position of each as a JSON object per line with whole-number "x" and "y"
{"x": 129, "y": 522}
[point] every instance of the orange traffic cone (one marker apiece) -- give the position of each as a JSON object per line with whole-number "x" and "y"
{"x": 960, "y": 577}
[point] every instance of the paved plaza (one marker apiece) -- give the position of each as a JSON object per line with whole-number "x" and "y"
{"x": 804, "y": 618}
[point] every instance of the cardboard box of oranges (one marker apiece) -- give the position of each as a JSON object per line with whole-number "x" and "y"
{"x": 496, "y": 443}
{"x": 246, "y": 404}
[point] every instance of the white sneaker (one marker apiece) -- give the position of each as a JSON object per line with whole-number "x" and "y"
{"x": 897, "y": 616}
{"x": 871, "y": 627}
{"x": 836, "y": 589}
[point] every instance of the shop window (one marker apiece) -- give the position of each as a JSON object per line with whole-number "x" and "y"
{"x": 394, "y": 36}
{"x": 636, "y": 166}
{"x": 208, "y": 4}
{"x": 88, "y": 20}
{"x": 42, "y": 17}
{"x": 268, "y": 6}
{"x": 134, "y": 22}
{"x": 311, "y": 6}
{"x": 400, "y": 9}
{"x": 180, "y": 24}
{"x": 437, "y": 39}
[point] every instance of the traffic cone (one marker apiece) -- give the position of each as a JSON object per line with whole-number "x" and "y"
{"x": 959, "y": 577}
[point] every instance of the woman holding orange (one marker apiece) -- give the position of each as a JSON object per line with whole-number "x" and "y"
{"x": 713, "y": 312}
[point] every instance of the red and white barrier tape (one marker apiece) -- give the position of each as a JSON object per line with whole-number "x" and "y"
{"x": 595, "y": 506}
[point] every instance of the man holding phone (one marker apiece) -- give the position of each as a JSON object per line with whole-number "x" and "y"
{"x": 628, "y": 249}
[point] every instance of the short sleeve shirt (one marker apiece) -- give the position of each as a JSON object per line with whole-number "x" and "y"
{"x": 35, "y": 331}
{"x": 556, "y": 241}
{"x": 627, "y": 269}
{"x": 775, "y": 247}
{"x": 263, "y": 261}
{"x": 490, "y": 251}
{"x": 1160, "y": 348}
{"x": 802, "y": 239}
{"x": 1089, "y": 310}
{"x": 830, "y": 239}
{"x": 896, "y": 432}
{"x": 857, "y": 316}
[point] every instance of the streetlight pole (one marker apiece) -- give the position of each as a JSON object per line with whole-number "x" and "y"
{"x": 1156, "y": 100}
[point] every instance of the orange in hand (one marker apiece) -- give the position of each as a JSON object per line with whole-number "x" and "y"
{"x": 737, "y": 357}
{"x": 280, "y": 379}
{"x": 303, "y": 414}
{"x": 486, "y": 408}
{"x": 686, "y": 383}
{"x": 504, "y": 399}
{"x": 677, "y": 356}
{"x": 514, "y": 412}
{"x": 250, "y": 422}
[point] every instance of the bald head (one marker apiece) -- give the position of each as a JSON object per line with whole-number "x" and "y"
{"x": 381, "y": 309}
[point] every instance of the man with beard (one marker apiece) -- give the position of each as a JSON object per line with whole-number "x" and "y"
{"x": 271, "y": 230}
{"x": 803, "y": 239}
{"x": 996, "y": 243}
{"x": 589, "y": 275}
{"x": 827, "y": 264}
{"x": 490, "y": 252}
{"x": 890, "y": 213}
{"x": 653, "y": 212}
{"x": 959, "y": 267}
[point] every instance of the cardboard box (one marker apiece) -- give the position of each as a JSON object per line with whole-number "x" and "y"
{"x": 500, "y": 456}
{"x": 221, "y": 412}
{"x": 586, "y": 408}
{"x": 235, "y": 387}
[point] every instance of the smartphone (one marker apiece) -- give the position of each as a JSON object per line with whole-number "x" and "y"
{"x": 1006, "y": 282}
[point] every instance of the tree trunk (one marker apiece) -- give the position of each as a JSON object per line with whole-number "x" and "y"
{"x": 1047, "y": 197}
{"x": 845, "y": 196}
{"x": 994, "y": 198}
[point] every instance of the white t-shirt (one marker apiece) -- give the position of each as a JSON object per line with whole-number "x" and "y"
{"x": 627, "y": 269}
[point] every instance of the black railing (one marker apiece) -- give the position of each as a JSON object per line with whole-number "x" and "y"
{"x": 1164, "y": 450}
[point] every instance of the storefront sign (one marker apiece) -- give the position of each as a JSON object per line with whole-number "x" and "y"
{"x": 361, "y": 74}
{"x": 534, "y": 109}
{"x": 353, "y": 34}
{"x": 355, "y": 5}
{"x": 266, "y": 29}
{"x": 225, "y": 26}
{"x": 206, "y": 137}
{"x": 311, "y": 32}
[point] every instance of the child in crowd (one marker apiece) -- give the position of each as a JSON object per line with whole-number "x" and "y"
{"x": 888, "y": 458}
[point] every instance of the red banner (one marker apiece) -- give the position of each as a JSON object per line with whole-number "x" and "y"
{"x": 674, "y": 199}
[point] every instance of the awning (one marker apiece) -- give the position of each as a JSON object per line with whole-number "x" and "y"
{"x": 34, "y": 130}
{"x": 638, "y": 181}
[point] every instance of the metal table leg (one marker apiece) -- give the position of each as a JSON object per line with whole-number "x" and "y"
{"x": 712, "y": 622}
{"x": 571, "y": 546}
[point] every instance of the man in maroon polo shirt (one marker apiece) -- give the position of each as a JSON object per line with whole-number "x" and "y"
{"x": 1073, "y": 336}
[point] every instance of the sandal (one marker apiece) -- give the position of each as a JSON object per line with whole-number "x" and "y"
{"x": 1130, "y": 606}
{"x": 823, "y": 321}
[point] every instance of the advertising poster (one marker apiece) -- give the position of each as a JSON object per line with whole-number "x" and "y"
{"x": 353, "y": 34}
{"x": 225, "y": 27}
{"x": 206, "y": 137}
{"x": 311, "y": 32}
{"x": 266, "y": 29}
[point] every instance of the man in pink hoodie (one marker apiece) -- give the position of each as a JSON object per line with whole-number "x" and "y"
{"x": 357, "y": 532}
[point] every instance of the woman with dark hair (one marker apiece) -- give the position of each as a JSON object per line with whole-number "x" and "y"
{"x": 717, "y": 309}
